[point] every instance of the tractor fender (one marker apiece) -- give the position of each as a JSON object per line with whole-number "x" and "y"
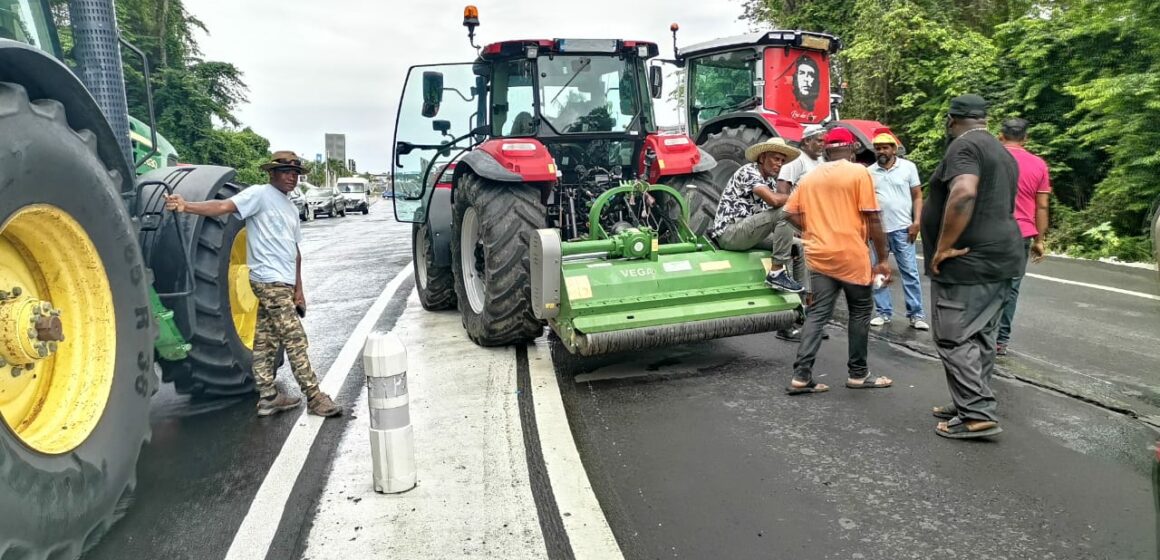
{"x": 194, "y": 183}
{"x": 45, "y": 77}
{"x": 439, "y": 212}
{"x": 676, "y": 154}
{"x": 773, "y": 124}
{"x": 510, "y": 160}
{"x": 484, "y": 164}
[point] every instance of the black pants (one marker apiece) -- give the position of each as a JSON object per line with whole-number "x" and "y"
{"x": 964, "y": 320}
{"x": 859, "y": 301}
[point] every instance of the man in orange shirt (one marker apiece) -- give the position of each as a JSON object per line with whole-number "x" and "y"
{"x": 836, "y": 209}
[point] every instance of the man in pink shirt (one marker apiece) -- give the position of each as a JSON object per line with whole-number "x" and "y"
{"x": 1031, "y": 204}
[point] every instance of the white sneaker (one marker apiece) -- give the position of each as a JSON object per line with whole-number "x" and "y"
{"x": 919, "y": 324}
{"x": 879, "y": 320}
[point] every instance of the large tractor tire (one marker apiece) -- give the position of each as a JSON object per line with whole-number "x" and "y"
{"x": 219, "y": 317}
{"x": 74, "y": 423}
{"x": 728, "y": 147}
{"x": 492, "y": 226}
{"x": 435, "y": 284}
{"x": 701, "y": 195}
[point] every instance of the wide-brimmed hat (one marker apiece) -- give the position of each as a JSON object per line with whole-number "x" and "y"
{"x": 284, "y": 159}
{"x": 772, "y": 145}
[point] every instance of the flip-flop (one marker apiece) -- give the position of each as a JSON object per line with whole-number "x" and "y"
{"x": 960, "y": 430}
{"x": 870, "y": 383}
{"x": 945, "y": 412}
{"x": 812, "y": 387}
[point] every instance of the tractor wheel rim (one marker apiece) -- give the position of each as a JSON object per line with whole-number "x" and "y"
{"x": 472, "y": 278}
{"x": 243, "y": 302}
{"x": 57, "y": 302}
{"x": 421, "y": 246}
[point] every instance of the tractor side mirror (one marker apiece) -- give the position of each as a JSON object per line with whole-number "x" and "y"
{"x": 656, "y": 80}
{"x": 432, "y": 93}
{"x": 441, "y": 126}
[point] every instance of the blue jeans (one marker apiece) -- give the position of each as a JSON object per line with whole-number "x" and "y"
{"x": 899, "y": 245}
{"x": 1012, "y": 301}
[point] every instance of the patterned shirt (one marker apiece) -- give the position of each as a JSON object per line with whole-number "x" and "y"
{"x": 738, "y": 200}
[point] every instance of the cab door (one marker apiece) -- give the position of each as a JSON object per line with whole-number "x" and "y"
{"x": 437, "y": 112}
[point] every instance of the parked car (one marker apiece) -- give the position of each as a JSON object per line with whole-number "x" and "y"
{"x": 299, "y": 201}
{"x": 353, "y": 191}
{"x": 324, "y": 200}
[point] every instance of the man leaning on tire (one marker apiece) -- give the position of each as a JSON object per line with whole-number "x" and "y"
{"x": 272, "y": 238}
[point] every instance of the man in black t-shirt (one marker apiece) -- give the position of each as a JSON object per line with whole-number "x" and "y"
{"x": 973, "y": 250}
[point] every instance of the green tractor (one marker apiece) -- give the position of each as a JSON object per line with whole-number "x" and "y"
{"x": 97, "y": 283}
{"x": 542, "y": 193}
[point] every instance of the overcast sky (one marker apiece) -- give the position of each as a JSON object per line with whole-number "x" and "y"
{"x": 314, "y": 67}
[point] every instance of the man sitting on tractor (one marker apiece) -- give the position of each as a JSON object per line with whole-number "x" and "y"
{"x": 750, "y": 212}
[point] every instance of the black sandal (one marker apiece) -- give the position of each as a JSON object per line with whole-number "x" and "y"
{"x": 960, "y": 430}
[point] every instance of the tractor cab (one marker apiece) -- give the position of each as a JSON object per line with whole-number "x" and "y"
{"x": 586, "y": 103}
{"x": 782, "y": 75}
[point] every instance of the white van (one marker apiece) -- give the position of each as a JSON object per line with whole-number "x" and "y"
{"x": 353, "y": 191}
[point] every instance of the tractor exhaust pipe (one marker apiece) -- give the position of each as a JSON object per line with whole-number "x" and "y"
{"x": 98, "y": 53}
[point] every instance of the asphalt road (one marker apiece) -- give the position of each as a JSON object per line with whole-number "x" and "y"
{"x": 207, "y": 459}
{"x": 699, "y": 453}
{"x": 1085, "y": 340}
{"x": 695, "y": 451}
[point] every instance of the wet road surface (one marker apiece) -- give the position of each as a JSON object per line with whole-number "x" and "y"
{"x": 695, "y": 451}
{"x": 703, "y": 455}
{"x": 206, "y": 460}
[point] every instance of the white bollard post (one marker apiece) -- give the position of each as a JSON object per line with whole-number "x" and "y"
{"x": 392, "y": 442}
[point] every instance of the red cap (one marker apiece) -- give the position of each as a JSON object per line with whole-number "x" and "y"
{"x": 838, "y": 137}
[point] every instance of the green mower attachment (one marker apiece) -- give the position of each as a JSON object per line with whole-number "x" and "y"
{"x": 625, "y": 290}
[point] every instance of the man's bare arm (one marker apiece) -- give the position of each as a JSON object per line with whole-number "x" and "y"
{"x": 796, "y": 220}
{"x": 774, "y": 197}
{"x": 916, "y": 212}
{"x": 1042, "y": 204}
{"x": 960, "y": 207}
{"x": 211, "y": 208}
{"x": 877, "y": 235}
{"x": 957, "y": 215}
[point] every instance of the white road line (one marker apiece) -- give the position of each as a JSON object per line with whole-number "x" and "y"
{"x": 1092, "y": 286}
{"x": 256, "y": 533}
{"x": 584, "y": 521}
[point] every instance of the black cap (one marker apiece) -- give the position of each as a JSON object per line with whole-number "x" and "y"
{"x": 970, "y": 106}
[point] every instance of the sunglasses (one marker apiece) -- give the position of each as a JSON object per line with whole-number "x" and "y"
{"x": 296, "y": 162}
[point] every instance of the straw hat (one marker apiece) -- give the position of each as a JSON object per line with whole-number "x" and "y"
{"x": 772, "y": 145}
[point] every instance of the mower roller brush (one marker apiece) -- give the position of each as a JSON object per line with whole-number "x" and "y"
{"x": 627, "y": 291}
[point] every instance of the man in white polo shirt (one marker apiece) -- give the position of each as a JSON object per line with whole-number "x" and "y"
{"x": 273, "y": 233}
{"x": 899, "y": 193}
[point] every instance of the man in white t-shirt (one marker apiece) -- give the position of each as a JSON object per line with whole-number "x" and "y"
{"x": 811, "y": 157}
{"x": 899, "y": 192}
{"x": 273, "y": 233}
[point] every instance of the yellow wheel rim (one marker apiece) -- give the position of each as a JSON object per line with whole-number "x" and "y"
{"x": 54, "y": 381}
{"x": 243, "y": 302}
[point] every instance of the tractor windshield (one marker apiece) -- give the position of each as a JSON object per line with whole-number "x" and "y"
{"x": 590, "y": 94}
{"x": 721, "y": 83}
{"x": 27, "y": 22}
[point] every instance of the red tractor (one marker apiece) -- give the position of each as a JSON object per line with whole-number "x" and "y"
{"x": 527, "y": 136}
{"x": 745, "y": 89}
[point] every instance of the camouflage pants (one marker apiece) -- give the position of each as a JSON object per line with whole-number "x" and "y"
{"x": 278, "y": 323}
